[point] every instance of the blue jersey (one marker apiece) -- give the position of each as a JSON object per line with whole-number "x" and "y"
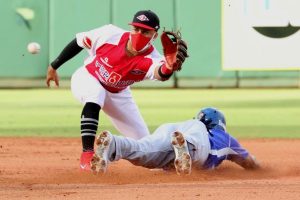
{"x": 222, "y": 146}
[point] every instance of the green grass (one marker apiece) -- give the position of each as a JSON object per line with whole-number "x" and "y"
{"x": 250, "y": 113}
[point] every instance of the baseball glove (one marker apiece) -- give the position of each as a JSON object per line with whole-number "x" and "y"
{"x": 174, "y": 48}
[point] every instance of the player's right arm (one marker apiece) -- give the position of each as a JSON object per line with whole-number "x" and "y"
{"x": 83, "y": 40}
{"x": 67, "y": 53}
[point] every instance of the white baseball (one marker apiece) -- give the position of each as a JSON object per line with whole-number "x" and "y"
{"x": 33, "y": 47}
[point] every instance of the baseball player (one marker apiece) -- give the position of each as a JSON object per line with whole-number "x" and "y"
{"x": 202, "y": 142}
{"x": 117, "y": 59}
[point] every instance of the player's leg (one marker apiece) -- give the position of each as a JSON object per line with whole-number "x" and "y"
{"x": 183, "y": 160}
{"x": 153, "y": 151}
{"x": 89, "y": 126}
{"x": 150, "y": 152}
{"x": 104, "y": 151}
{"x": 90, "y": 93}
{"x": 125, "y": 115}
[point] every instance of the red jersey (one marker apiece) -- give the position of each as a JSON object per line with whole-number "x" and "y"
{"x": 108, "y": 61}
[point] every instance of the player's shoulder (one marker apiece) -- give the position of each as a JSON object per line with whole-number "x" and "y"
{"x": 108, "y": 30}
{"x": 111, "y": 34}
{"x": 113, "y": 29}
{"x": 225, "y": 135}
{"x": 219, "y": 133}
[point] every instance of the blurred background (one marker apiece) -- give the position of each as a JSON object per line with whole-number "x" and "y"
{"x": 243, "y": 59}
{"x": 222, "y": 36}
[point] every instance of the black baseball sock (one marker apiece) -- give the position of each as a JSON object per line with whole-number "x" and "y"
{"x": 89, "y": 125}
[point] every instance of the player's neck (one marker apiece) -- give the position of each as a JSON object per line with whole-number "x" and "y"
{"x": 131, "y": 52}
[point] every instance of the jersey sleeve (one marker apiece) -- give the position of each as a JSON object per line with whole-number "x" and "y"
{"x": 87, "y": 39}
{"x": 237, "y": 148}
{"x": 92, "y": 39}
{"x": 223, "y": 147}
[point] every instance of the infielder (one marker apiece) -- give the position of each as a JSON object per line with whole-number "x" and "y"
{"x": 202, "y": 142}
{"x": 117, "y": 59}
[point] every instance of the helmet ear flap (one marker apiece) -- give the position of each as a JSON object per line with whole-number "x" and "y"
{"x": 205, "y": 120}
{"x": 212, "y": 118}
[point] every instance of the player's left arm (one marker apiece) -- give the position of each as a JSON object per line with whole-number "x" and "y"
{"x": 162, "y": 73}
{"x": 242, "y": 157}
{"x": 175, "y": 53}
{"x": 249, "y": 162}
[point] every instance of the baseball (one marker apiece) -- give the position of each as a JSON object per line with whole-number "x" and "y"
{"x": 33, "y": 47}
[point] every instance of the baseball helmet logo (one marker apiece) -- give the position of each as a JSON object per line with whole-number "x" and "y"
{"x": 142, "y": 18}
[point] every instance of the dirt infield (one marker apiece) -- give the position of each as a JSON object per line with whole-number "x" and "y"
{"x": 43, "y": 168}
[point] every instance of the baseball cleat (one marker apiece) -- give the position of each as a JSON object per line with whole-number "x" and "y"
{"x": 99, "y": 161}
{"x": 85, "y": 160}
{"x": 183, "y": 161}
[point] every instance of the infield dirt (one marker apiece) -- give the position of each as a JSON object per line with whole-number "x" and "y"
{"x": 48, "y": 168}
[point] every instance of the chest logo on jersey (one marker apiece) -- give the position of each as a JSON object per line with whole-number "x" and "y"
{"x": 104, "y": 76}
{"x": 137, "y": 72}
{"x": 105, "y": 61}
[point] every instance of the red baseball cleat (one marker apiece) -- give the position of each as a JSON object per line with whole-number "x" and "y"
{"x": 85, "y": 160}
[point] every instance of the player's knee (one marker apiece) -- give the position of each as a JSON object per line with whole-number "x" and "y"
{"x": 91, "y": 110}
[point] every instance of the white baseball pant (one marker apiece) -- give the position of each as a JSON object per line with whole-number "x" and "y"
{"x": 120, "y": 107}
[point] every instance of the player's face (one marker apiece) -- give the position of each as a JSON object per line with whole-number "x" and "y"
{"x": 145, "y": 32}
{"x": 141, "y": 39}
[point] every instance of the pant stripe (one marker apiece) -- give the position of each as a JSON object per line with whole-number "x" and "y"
{"x": 88, "y": 134}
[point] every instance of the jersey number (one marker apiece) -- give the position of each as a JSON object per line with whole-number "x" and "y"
{"x": 114, "y": 78}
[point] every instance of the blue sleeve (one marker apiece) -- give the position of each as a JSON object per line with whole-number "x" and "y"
{"x": 223, "y": 147}
{"x": 235, "y": 146}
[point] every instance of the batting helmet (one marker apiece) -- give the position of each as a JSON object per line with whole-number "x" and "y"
{"x": 212, "y": 118}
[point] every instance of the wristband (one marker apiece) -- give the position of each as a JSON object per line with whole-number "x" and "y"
{"x": 164, "y": 72}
